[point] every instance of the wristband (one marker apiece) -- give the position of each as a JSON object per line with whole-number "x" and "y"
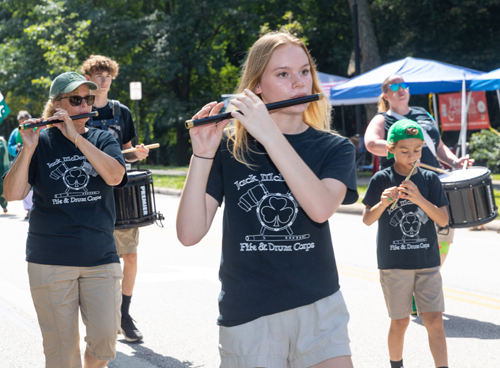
{"x": 76, "y": 140}
{"x": 454, "y": 163}
{"x": 205, "y": 158}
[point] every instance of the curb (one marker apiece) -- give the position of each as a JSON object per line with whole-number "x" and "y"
{"x": 351, "y": 209}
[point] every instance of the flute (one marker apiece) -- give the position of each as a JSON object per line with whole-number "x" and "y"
{"x": 45, "y": 122}
{"x": 415, "y": 164}
{"x": 272, "y": 106}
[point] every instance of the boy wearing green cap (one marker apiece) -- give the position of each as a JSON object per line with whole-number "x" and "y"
{"x": 407, "y": 245}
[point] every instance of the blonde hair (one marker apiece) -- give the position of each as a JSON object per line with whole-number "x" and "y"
{"x": 317, "y": 114}
{"x": 383, "y": 104}
{"x": 99, "y": 63}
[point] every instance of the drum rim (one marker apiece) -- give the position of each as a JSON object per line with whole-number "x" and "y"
{"x": 486, "y": 173}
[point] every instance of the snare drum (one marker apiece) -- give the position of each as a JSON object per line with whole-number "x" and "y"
{"x": 135, "y": 202}
{"x": 471, "y": 197}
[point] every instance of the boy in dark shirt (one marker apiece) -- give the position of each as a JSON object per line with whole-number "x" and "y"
{"x": 407, "y": 246}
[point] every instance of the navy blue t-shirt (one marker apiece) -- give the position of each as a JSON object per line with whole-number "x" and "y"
{"x": 274, "y": 257}
{"x": 73, "y": 215}
{"x": 124, "y": 132}
{"x": 406, "y": 237}
{"x": 422, "y": 117}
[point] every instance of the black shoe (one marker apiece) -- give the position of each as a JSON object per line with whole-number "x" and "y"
{"x": 131, "y": 333}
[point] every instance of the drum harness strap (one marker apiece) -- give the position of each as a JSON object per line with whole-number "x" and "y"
{"x": 105, "y": 124}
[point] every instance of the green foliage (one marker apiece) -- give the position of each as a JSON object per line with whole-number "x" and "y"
{"x": 189, "y": 52}
{"x": 485, "y": 148}
{"x": 460, "y": 32}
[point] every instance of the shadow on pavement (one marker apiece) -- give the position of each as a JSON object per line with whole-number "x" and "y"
{"x": 148, "y": 355}
{"x": 466, "y": 328}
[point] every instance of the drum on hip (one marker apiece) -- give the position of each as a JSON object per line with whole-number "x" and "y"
{"x": 470, "y": 194}
{"x": 135, "y": 202}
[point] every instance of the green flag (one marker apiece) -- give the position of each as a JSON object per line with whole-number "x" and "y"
{"x": 4, "y": 109}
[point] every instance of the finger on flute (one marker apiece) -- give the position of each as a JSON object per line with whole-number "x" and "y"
{"x": 407, "y": 178}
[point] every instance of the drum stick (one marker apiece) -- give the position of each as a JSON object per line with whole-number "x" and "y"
{"x": 466, "y": 163}
{"x": 407, "y": 178}
{"x": 434, "y": 168}
{"x": 149, "y": 146}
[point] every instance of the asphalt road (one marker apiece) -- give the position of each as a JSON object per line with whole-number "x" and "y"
{"x": 175, "y": 300}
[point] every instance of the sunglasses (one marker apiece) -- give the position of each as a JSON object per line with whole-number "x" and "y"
{"x": 77, "y": 100}
{"x": 394, "y": 87}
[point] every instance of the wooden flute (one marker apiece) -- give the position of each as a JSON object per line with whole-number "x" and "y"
{"x": 272, "y": 106}
{"x": 46, "y": 122}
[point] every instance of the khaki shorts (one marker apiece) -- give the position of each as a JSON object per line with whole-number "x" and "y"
{"x": 126, "y": 240}
{"x": 58, "y": 293}
{"x": 399, "y": 286}
{"x": 296, "y": 338}
{"x": 445, "y": 234}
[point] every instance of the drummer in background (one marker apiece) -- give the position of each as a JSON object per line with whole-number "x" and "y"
{"x": 406, "y": 208}
{"x": 280, "y": 303}
{"x": 393, "y": 105}
{"x": 117, "y": 119}
{"x": 71, "y": 252}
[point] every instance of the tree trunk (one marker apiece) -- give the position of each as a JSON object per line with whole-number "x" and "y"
{"x": 369, "y": 53}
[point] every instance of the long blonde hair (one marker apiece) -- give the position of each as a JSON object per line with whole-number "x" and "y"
{"x": 383, "y": 104}
{"x": 317, "y": 114}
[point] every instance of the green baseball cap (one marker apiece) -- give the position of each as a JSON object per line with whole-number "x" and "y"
{"x": 403, "y": 129}
{"x": 68, "y": 82}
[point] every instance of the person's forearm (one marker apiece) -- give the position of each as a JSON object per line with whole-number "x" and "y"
{"x": 193, "y": 218}
{"x": 445, "y": 155}
{"x": 377, "y": 147}
{"x": 317, "y": 199}
{"x": 16, "y": 186}
{"x": 372, "y": 214}
{"x": 110, "y": 169}
{"x": 130, "y": 157}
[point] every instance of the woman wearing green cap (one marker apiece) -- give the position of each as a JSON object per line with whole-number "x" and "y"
{"x": 71, "y": 253}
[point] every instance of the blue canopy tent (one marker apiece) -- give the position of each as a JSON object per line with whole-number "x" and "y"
{"x": 486, "y": 82}
{"x": 329, "y": 80}
{"x": 424, "y": 76}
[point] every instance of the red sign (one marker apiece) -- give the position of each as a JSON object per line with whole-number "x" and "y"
{"x": 450, "y": 111}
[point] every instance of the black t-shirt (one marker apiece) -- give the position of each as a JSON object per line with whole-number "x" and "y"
{"x": 406, "y": 237}
{"x": 73, "y": 214}
{"x": 422, "y": 117}
{"x": 274, "y": 257}
{"x": 123, "y": 132}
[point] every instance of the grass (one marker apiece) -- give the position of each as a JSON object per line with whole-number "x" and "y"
{"x": 168, "y": 181}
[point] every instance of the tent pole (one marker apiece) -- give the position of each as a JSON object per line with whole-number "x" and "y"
{"x": 498, "y": 97}
{"x": 463, "y": 130}
{"x": 436, "y": 111}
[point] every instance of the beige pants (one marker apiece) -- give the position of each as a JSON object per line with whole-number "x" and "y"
{"x": 58, "y": 293}
{"x": 399, "y": 286}
{"x": 295, "y": 338}
{"x": 126, "y": 240}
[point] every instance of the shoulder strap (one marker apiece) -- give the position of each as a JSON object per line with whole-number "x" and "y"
{"x": 427, "y": 138}
{"x": 116, "y": 107}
